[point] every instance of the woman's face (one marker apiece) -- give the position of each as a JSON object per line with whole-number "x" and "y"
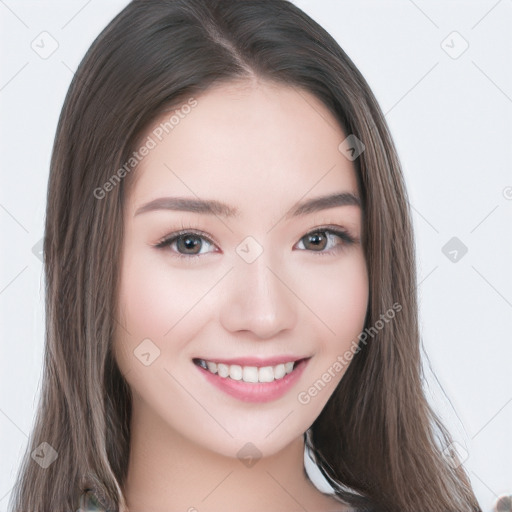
{"x": 268, "y": 283}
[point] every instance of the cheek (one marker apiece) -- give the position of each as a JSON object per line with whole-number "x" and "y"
{"x": 156, "y": 302}
{"x": 154, "y": 296}
{"x": 340, "y": 299}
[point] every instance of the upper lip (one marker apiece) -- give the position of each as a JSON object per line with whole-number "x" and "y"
{"x": 255, "y": 361}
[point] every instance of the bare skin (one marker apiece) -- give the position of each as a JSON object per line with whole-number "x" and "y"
{"x": 261, "y": 148}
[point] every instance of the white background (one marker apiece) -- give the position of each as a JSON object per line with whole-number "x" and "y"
{"x": 451, "y": 119}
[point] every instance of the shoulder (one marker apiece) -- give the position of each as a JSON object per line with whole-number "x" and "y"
{"x": 89, "y": 503}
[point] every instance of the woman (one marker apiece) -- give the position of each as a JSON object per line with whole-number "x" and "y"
{"x": 179, "y": 380}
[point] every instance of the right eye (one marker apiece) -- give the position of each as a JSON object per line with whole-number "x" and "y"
{"x": 185, "y": 240}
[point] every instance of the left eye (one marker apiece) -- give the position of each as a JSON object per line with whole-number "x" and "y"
{"x": 191, "y": 241}
{"x": 318, "y": 236}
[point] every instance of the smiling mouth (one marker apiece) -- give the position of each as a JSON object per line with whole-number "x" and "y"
{"x": 248, "y": 373}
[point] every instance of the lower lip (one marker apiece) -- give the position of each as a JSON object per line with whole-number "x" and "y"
{"x": 255, "y": 392}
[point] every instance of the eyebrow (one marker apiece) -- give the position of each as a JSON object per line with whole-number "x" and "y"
{"x": 214, "y": 207}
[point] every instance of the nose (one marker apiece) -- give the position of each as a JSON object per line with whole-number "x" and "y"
{"x": 259, "y": 298}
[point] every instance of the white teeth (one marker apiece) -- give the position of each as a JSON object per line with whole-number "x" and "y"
{"x": 266, "y": 374}
{"x": 235, "y": 372}
{"x": 280, "y": 371}
{"x": 248, "y": 373}
{"x": 223, "y": 370}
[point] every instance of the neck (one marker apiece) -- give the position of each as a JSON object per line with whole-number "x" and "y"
{"x": 168, "y": 471}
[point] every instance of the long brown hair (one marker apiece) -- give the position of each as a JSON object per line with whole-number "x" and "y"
{"x": 377, "y": 440}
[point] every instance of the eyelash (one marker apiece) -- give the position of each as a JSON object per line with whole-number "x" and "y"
{"x": 341, "y": 233}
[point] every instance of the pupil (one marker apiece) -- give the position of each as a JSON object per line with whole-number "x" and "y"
{"x": 315, "y": 238}
{"x": 189, "y": 242}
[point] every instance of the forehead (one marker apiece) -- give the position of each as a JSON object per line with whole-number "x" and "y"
{"x": 255, "y": 145}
